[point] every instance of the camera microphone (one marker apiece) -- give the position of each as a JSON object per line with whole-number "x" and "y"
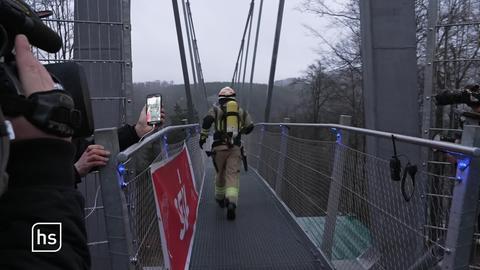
{"x": 41, "y": 36}
{"x": 19, "y": 18}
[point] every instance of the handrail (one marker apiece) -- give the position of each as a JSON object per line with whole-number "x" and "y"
{"x": 127, "y": 153}
{"x": 446, "y": 146}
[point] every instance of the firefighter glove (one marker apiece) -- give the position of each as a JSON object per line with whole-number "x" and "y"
{"x": 203, "y": 139}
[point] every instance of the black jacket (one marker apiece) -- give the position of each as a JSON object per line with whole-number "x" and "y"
{"x": 41, "y": 189}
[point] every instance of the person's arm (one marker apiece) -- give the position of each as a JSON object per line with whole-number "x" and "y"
{"x": 207, "y": 122}
{"x": 128, "y": 135}
{"x": 41, "y": 185}
{"x": 94, "y": 156}
{"x": 248, "y": 123}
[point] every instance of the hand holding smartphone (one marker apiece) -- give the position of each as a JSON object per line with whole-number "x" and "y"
{"x": 154, "y": 109}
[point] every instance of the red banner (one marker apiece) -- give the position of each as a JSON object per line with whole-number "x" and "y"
{"x": 177, "y": 204}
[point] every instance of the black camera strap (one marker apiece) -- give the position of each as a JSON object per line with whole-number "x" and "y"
{"x": 51, "y": 111}
{"x": 410, "y": 170}
{"x": 3, "y": 129}
{"x": 395, "y": 164}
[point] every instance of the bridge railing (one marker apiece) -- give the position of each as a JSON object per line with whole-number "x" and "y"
{"x": 128, "y": 212}
{"x": 137, "y": 186}
{"x": 348, "y": 205}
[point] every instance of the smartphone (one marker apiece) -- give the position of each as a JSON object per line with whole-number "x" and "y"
{"x": 154, "y": 109}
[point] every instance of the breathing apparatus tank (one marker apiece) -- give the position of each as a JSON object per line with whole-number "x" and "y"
{"x": 232, "y": 122}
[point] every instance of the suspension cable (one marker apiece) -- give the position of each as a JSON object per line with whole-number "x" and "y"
{"x": 271, "y": 79}
{"x": 252, "y": 72}
{"x": 240, "y": 65}
{"x": 248, "y": 49}
{"x": 249, "y": 17}
{"x": 198, "y": 62}
{"x": 189, "y": 39}
{"x": 181, "y": 47}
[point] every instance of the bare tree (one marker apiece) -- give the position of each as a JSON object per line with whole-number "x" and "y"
{"x": 341, "y": 59}
{"x": 457, "y": 43}
{"x": 318, "y": 88}
{"x": 61, "y": 22}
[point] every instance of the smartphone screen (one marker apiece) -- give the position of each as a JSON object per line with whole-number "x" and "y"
{"x": 154, "y": 109}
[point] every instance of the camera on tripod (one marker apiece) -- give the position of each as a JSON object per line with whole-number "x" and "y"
{"x": 470, "y": 96}
{"x": 64, "y": 111}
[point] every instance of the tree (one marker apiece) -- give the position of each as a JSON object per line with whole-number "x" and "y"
{"x": 62, "y": 22}
{"x": 318, "y": 88}
{"x": 179, "y": 115}
{"x": 341, "y": 59}
{"x": 457, "y": 41}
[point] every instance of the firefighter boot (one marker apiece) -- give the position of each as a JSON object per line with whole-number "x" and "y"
{"x": 221, "y": 202}
{"x": 231, "y": 211}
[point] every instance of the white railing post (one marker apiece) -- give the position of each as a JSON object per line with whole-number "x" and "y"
{"x": 463, "y": 211}
{"x": 259, "y": 158}
{"x": 335, "y": 188}
{"x": 282, "y": 156}
{"x": 114, "y": 203}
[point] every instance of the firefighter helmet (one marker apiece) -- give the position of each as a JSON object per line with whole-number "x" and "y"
{"x": 226, "y": 92}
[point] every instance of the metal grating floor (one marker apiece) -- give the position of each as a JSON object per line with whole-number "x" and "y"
{"x": 263, "y": 236}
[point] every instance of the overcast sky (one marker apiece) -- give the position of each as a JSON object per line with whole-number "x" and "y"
{"x": 219, "y": 26}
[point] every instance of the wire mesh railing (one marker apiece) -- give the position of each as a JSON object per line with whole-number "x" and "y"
{"x": 141, "y": 232}
{"x": 139, "y": 192}
{"x": 348, "y": 205}
{"x": 142, "y": 209}
{"x": 95, "y": 221}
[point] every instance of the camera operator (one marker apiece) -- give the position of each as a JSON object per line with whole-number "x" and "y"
{"x": 90, "y": 155}
{"x": 41, "y": 185}
{"x": 469, "y": 96}
{"x": 475, "y": 108}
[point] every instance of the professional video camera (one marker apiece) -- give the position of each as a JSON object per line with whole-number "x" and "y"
{"x": 470, "y": 95}
{"x": 65, "y": 111}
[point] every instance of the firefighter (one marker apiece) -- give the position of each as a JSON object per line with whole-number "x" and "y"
{"x": 230, "y": 122}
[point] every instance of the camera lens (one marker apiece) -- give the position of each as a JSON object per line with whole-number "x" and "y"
{"x": 452, "y": 97}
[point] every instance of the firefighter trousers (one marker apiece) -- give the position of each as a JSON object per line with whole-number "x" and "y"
{"x": 227, "y": 181}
